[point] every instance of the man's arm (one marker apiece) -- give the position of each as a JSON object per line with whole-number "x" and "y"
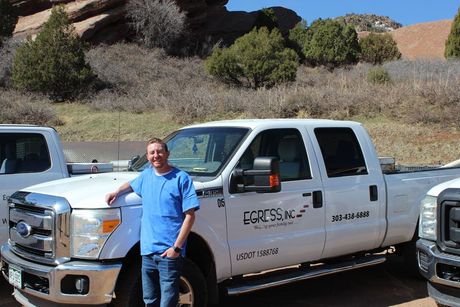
{"x": 183, "y": 234}
{"x": 124, "y": 188}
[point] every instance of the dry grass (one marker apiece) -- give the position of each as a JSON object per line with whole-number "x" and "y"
{"x": 414, "y": 118}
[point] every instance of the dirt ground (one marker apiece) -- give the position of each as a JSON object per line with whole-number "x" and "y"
{"x": 386, "y": 284}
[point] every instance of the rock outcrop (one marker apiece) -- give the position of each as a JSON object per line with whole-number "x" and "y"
{"x": 104, "y": 20}
{"x": 227, "y": 26}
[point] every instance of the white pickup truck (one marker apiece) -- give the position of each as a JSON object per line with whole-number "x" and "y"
{"x": 297, "y": 198}
{"x": 30, "y": 155}
{"x": 438, "y": 249}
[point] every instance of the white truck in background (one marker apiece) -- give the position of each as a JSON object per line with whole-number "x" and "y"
{"x": 30, "y": 155}
{"x": 308, "y": 194}
{"x": 438, "y": 248}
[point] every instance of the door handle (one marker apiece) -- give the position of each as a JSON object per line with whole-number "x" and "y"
{"x": 317, "y": 199}
{"x": 373, "y": 193}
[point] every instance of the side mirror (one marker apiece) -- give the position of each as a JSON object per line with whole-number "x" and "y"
{"x": 131, "y": 162}
{"x": 264, "y": 177}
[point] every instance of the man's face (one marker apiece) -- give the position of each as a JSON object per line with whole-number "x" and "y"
{"x": 158, "y": 156}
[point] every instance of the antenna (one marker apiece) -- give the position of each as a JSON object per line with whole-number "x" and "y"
{"x": 119, "y": 133}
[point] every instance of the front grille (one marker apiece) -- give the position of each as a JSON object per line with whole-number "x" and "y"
{"x": 38, "y": 239}
{"x": 39, "y": 227}
{"x": 449, "y": 221}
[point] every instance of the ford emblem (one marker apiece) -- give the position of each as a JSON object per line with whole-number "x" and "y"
{"x": 23, "y": 229}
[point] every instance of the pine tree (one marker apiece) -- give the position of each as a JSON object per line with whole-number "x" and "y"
{"x": 453, "y": 41}
{"x": 257, "y": 59}
{"x": 379, "y": 48}
{"x": 54, "y": 63}
{"x": 331, "y": 44}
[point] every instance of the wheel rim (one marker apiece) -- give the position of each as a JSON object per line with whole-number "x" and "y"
{"x": 186, "y": 297}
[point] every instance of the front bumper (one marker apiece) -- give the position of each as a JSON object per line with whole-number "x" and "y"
{"x": 54, "y": 283}
{"x": 442, "y": 271}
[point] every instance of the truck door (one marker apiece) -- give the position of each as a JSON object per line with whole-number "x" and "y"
{"x": 24, "y": 161}
{"x": 268, "y": 230}
{"x": 354, "y": 195}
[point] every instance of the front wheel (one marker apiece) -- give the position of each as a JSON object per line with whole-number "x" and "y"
{"x": 192, "y": 288}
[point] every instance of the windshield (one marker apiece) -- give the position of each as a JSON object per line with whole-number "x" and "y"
{"x": 200, "y": 151}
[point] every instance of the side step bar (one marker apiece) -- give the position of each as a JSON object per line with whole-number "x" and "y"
{"x": 300, "y": 274}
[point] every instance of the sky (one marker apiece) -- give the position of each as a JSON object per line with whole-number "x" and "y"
{"x": 406, "y": 12}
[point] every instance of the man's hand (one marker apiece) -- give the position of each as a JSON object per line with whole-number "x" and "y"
{"x": 111, "y": 197}
{"x": 170, "y": 253}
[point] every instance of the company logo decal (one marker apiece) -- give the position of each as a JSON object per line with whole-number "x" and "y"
{"x": 23, "y": 229}
{"x": 271, "y": 218}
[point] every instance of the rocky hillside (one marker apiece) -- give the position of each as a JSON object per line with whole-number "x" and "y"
{"x": 104, "y": 20}
{"x": 370, "y": 22}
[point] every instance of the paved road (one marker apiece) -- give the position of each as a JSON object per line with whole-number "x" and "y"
{"x": 383, "y": 285}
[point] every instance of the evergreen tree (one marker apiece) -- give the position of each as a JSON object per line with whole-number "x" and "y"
{"x": 379, "y": 48}
{"x": 256, "y": 59}
{"x": 54, "y": 63}
{"x": 453, "y": 41}
{"x": 298, "y": 38}
{"x": 331, "y": 44}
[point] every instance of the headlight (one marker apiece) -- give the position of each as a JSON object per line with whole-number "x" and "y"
{"x": 90, "y": 230}
{"x": 428, "y": 224}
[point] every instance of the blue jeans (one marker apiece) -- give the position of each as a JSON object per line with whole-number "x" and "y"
{"x": 160, "y": 280}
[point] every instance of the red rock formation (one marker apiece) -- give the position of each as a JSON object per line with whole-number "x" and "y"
{"x": 93, "y": 17}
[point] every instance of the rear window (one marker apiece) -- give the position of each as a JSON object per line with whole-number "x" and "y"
{"x": 341, "y": 152}
{"x": 23, "y": 153}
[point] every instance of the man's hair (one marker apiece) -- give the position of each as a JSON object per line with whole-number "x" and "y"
{"x": 158, "y": 141}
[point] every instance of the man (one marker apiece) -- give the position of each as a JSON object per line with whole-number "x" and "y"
{"x": 169, "y": 203}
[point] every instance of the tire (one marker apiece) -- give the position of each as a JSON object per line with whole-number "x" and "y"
{"x": 409, "y": 253}
{"x": 128, "y": 290}
{"x": 192, "y": 288}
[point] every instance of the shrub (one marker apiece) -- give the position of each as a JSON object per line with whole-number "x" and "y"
{"x": 8, "y": 19}
{"x": 298, "y": 38}
{"x": 54, "y": 63}
{"x": 453, "y": 41}
{"x": 159, "y": 23}
{"x": 379, "y": 48}
{"x": 332, "y": 44}
{"x": 378, "y": 75}
{"x": 257, "y": 59}
{"x": 266, "y": 18}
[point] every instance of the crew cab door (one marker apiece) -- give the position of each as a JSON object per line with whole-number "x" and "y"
{"x": 24, "y": 161}
{"x": 269, "y": 230}
{"x": 354, "y": 188}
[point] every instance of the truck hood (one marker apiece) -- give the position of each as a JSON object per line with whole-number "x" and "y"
{"x": 436, "y": 190}
{"x": 89, "y": 191}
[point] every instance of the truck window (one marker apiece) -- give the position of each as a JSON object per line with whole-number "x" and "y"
{"x": 23, "y": 153}
{"x": 201, "y": 151}
{"x": 287, "y": 145}
{"x": 341, "y": 152}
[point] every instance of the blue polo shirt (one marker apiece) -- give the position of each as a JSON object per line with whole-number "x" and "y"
{"x": 165, "y": 199}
